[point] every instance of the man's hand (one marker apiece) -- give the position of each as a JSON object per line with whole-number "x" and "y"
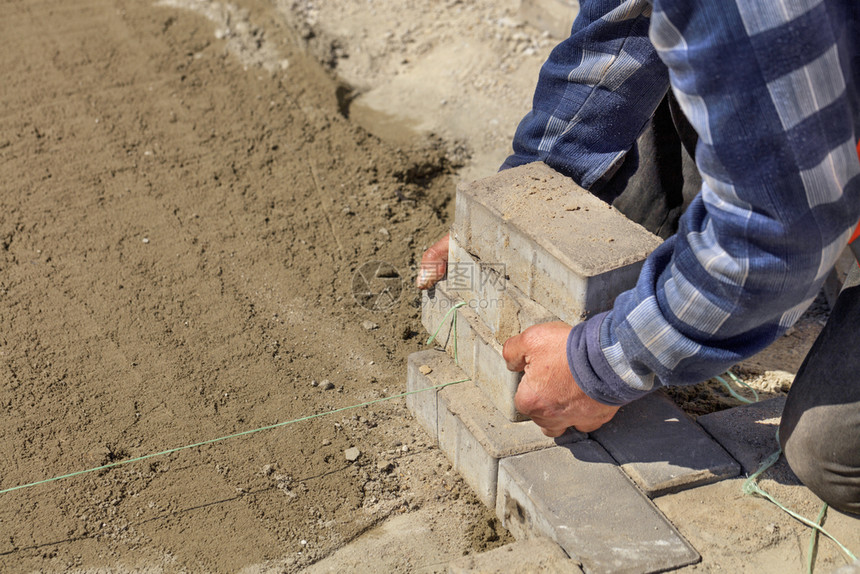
{"x": 434, "y": 264}
{"x": 547, "y": 392}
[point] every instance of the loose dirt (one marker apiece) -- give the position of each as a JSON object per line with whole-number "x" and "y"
{"x": 183, "y": 212}
{"x": 195, "y": 204}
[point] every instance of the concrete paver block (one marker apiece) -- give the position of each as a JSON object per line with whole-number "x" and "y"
{"x": 537, "y": 556}
{"x": 496, "y": 301}
{"x": 439, "y": 369}
{"x": 579, "y": 498}
{"x": 662, "y": 449}
{"x": 480, "y": 355}
{"x": 475, "y": 436}
{"x": 564, "y": 248}
{"x": 749, "y": 434}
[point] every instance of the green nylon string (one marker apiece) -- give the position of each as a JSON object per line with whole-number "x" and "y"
{"x": 813, "y": 541}
{"x": 228, "y": 437}
{"x": 751, "y": 487}
{"x": 453, "y": 329}
{"x": 734, "y": 393}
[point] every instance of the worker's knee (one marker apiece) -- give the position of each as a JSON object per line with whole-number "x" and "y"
{"x": 821, "y": 446}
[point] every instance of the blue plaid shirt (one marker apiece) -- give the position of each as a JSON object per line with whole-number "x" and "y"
{"x": 771, "y": 87}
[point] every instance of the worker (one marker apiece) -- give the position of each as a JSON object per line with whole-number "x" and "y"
{"x": 764, "y": 97}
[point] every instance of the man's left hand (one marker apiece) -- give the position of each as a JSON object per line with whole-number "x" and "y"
{"x": 547, "y": 392}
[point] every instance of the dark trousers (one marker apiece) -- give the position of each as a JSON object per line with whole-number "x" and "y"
{"x": 820, "y": 428}
{"x": 658, "y": 177}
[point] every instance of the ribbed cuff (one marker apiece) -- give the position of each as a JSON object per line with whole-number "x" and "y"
{"x": 591, "y": 370}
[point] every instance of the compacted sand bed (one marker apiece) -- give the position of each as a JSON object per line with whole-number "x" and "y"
{"x": 180, "y": 228}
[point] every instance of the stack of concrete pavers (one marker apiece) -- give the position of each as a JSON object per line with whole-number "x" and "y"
{"x": 529, "y": 246}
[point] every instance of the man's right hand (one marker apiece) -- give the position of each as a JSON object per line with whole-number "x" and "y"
{"x": 548, "y": 393}
{"x": 434, "y": 264}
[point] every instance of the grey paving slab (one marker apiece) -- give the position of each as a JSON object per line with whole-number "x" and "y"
{"x": 749, "y": 434}
{"x": 536, "y": 556}
{"x": 495, "y": 300}
{"x": 474, "y": 436}
{"x": 662, "y": 449}
{"x": 427, "y": 369}
{"x": 479, "y": 353}
{"x": 564, "y": 248}
{"x": 577, "y": 496}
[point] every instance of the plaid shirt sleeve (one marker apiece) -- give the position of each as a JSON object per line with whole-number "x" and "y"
{"x": 771, "y": 88}
{"x": 595, "y": 93}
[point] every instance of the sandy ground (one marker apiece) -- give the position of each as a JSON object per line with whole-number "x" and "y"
{"x": 188, "y": 190}
{"x": 180, "y": 230}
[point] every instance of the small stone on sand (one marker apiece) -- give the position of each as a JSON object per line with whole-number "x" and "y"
{"x": 352, "y": 454}
{"x": 369, "y": 325}
{"x": 327, "y": 385}
{"x": 425, "y": 369}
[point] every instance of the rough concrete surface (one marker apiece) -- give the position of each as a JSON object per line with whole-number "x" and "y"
{"x": 500, "y": 436}
{"x": 564, "y": 248}
{"x": 582, "y": 232}
{"x": 485, "y": 287}
{"x": 427, "y": 369}
{"x": 662, "y": 449}
{"x": 475, "y": 436}
{"x": 578, "y": 497}
{"x": 748, "y": 433}
{"x": 479, "y": 353}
